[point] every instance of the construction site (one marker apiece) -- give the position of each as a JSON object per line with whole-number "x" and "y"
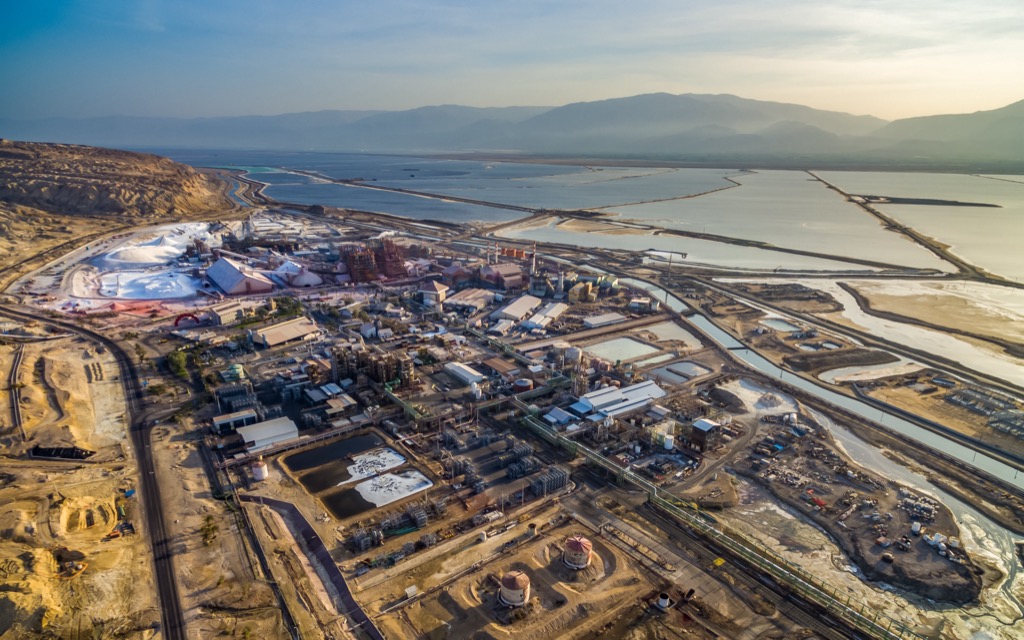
{"x": 71, "y": 559}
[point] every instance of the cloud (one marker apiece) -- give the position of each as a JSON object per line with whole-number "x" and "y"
{"x": 894, "y": 58}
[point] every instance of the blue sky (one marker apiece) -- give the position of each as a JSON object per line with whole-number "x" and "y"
{"x": 892, "y": 59}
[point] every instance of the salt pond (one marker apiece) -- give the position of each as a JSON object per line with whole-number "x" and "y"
{"x": 666, "y": 331}
{"x": 986, "y": 236}
{"x": 788, "y": 209}
{"x": 620, "y": 349}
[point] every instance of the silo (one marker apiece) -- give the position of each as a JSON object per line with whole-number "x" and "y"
{"x": 515, "y": 589}
{"x": 670, "y": 442}
{"x": 260, "y": 470}
{"x": 577, "y": 553}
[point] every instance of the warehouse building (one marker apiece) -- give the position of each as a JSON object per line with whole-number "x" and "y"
{"x": 518, "y": 309}
{"x": 603, "y": 320}
{"x": 234, "y": 278}
{"x": 301, "y": 328}
{"x": 612, "y": 401}
{"x": 463, "y": 373}
{"x": 266, "y": 434}
{"x": 546, "y": 315}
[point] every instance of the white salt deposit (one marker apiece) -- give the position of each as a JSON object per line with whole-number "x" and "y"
{"x": 752, "y": 395}
{"x": 390, "y": 487}
{"x": 155, "y": 249}
{"x": 141, "y": 285}
{"x": 373, "y": 462}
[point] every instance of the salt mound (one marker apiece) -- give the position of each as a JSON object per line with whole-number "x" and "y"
{"x": 157, "y": 250}
{"x": 769, "y": 400}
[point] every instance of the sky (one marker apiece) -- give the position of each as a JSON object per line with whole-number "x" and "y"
{"x": 187, "y": 58}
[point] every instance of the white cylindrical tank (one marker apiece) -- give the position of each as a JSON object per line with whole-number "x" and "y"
{"x": 260, "y": 470}
{"x": 636, "y": 449}
{"x": 515, "y": 589}
{"x": 915, "y": 528}
{"x": 670, "y": 442}
{"x": 578, "y": 552}
{"x": 663, "y": 601}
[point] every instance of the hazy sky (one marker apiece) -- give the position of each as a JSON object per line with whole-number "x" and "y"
{"x": 889, "y": 58}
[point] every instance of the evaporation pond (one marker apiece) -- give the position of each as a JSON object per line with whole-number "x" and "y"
{"x": 375, "y": 492}
{"x": 339, "y": 450}
{"x": 779, "y": 324}
{"x": 655, "y": 360}
{"x": 672, "y": 331}
{"x": 358, "y": 467}
{"x": 620, "y": 349}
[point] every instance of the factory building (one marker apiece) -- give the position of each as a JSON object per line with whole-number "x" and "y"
{"x": 578, "y": 552}
{"x": 433, "y": 293}
{"x": 296, "y": 275}
{"x": 612, "y": 401}
{"x": 234, "y": 278}
{"x": 504, "y": 276}
{"x": 518, "y": 309}
{"x": 515, "y": 589}
{"x": 470, "y": 300}
{"x": 228, "y": 422}
{"x": 301, "y": 328}
{"x": 603, "y": 320}
{"x": 463, "y": 373}
{"x": 266, "y": 434}
{"x": 546, "y": 315}
{"x": 226, "y": 313}
{"x": 705, "y": 434}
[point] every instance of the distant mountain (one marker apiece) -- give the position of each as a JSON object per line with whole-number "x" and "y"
{"x": 999, "y": 133}
{"x": 695, "y": 128}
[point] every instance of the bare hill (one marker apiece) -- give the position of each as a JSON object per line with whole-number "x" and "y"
{"x": 73, "y": 180}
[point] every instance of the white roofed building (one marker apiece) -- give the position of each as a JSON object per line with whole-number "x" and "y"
{"x": 266, "y": 434}
{"x": 518, "y": 309}
{"x": 296, "y": 275}
{"x": 235, "y": 278}
{"x": 613, "y": 401}
{"x": 603, "y": 320}
{"x": 463, "y": 373}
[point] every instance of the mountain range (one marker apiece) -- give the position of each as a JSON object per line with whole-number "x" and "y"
{"x": 688, "y": 128}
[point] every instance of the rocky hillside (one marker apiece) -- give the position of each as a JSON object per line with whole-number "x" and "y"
{"x": 74, "y": 180}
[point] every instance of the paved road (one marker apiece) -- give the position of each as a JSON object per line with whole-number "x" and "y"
{"x": 173, "y": 620}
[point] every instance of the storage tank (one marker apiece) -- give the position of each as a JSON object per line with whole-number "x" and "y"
{"x": 577, "y": 553}
{"x": 515, "y": 589}
{"x": 260, "y": 470}
{"x": 915, "y": 528}
{"x": 521, "y": 385}
{"x": 670, "y": 442}
{"x": 558, "y": 347}
{"x": 573, "y": 355}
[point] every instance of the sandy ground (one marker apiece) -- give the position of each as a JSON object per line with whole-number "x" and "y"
{"x": 563, "y": 603}
{"x": 596, "y": 226}
{"x": 977, "y": 308}
{"x": 71, "y": 397}
{"x": 221, "y": 589}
